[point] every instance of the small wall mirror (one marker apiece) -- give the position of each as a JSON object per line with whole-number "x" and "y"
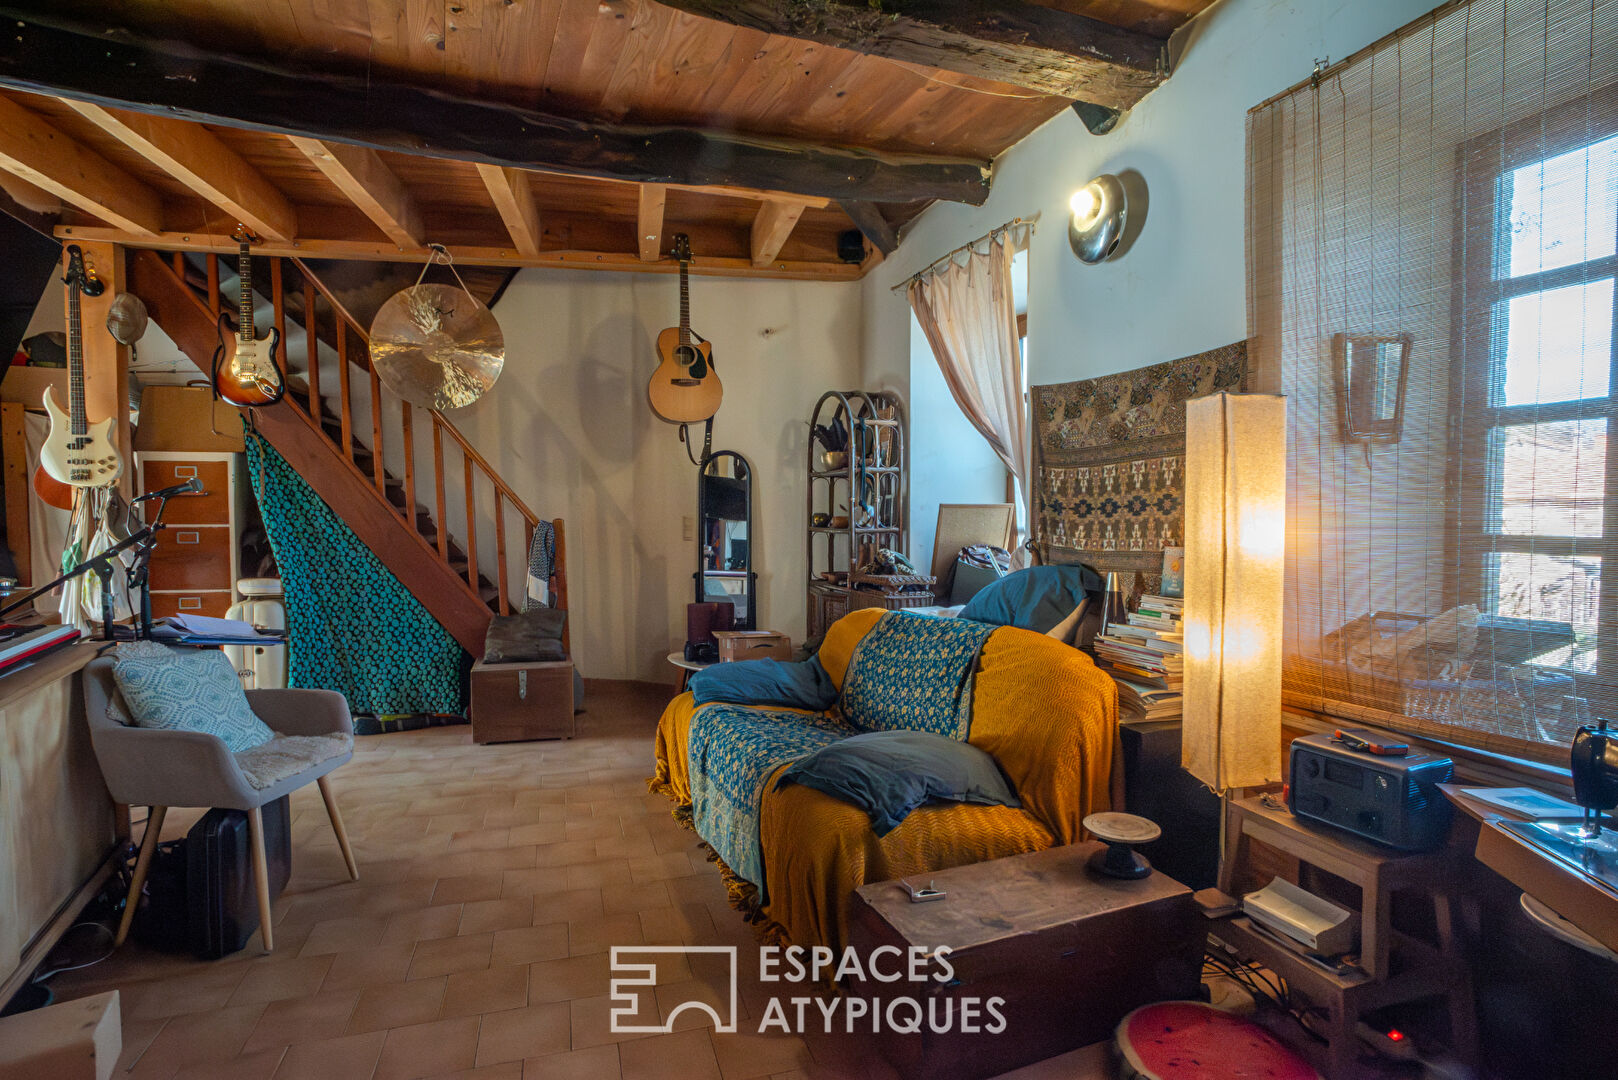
{"x": 1371, "y": 373}
{"x": 725, "y": 538}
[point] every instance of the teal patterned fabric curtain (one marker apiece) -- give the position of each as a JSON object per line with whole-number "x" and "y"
{"x": 351, "y": 626}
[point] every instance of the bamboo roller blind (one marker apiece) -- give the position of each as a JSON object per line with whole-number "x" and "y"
{"x": 1449, "y": 194}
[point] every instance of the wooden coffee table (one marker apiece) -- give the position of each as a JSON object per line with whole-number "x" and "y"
{"x": 1070, "y": 951}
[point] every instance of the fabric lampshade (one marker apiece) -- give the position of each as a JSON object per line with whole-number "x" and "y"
{"x": 1235, "y": 529}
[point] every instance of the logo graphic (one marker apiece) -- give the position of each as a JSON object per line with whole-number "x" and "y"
{"x": 627, "y": 1001}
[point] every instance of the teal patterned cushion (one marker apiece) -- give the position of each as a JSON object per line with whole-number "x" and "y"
{"x": 183, "y": 689}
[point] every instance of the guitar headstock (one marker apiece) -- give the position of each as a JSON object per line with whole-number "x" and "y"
{"x": 80, "y": 273}
{"x": 244, "y": 235}
{"x": 682, "y": 248}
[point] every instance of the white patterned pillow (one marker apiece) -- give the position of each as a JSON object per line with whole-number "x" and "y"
{"x": 187, "y": 689}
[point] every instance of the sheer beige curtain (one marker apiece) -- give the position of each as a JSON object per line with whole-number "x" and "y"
{"x": 966, "y": 309}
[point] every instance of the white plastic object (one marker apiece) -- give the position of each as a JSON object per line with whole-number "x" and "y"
{"x": 260, "y": 667}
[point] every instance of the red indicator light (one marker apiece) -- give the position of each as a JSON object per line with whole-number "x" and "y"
{"x": 1395, "y": 1035}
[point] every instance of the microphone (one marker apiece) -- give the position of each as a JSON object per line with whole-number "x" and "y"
{"x": 187, "y": 488}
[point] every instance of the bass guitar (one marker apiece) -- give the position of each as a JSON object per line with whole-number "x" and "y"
{"x": 684, "y": 388}
{"x": 246, "y": 371}
{"x": 76, "y": 453}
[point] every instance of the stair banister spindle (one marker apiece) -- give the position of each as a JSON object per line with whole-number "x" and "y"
{"x": 500, "y": 549}
{"x": 345, "y": 402}
{"x": 471, "y": 523}
{"x": 311, "y": 347}
{"x": 377, "y": 472}
{"x": 277, "y": 306}
{"x": 438, "y": 487}
{"x": 408, "y": 435}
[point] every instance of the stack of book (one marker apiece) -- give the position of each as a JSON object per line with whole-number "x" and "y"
{"x": 1145, "y": 656}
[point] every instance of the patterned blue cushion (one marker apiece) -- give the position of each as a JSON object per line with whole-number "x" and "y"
{"x": 187, "y": 689}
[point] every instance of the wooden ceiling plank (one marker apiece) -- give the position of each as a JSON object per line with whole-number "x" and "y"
{"x": 196, "y": 158}
{"x": 650, "y": 217}
{"x": 65, "y": 55}
{"x": 1009, "y": 41}
{"x": 514, "y": 199}
{"x": 771, "y": 227}
{"x": 362, "y": 175}
{"x": 43, "y": 156}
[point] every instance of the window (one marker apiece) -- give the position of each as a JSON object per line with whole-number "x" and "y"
{"x": 1536, "y": 387}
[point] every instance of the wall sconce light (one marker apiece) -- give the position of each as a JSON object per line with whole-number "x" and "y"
{"x": 1099, "y": 213}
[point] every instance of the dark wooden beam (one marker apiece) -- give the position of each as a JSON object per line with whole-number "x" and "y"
{"x": 1009, "y": 41}
{"x": 868, "y": 219}
{"x": 66, "y": 55}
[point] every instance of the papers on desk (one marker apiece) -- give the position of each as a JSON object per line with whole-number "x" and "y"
{"x": 1524, "y": 802}
{"x": 204, "y": 630}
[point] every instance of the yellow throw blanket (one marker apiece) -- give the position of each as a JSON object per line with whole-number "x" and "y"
{"x": 1040, "y": 708}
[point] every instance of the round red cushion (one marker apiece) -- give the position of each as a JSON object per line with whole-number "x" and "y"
{"x": 1187, "y": 1040}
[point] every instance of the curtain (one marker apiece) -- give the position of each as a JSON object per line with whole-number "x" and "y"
{"x": 1431, "y": 258}
{"x": 967, "y": 311}
{"x": 351, "y": 626}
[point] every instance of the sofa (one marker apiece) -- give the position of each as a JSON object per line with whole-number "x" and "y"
{"x": 1040, "y": 707}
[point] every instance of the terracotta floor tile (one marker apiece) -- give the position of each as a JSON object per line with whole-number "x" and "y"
{"x": 596, "y": 1063}
{"x": 603, "y": 874}
{"x": 524, "y": 1033}
{"x": 449, "y": 955}
{"x": 372, "y": 967}
{"x": 506, "y": 1070}
{"x": 494, "y": 989}
{"x": 423, "y": 924}
{"x": 458, "y": 890}
{"x": 217, "y": 1035}
{"x": 260, "y": 1065}
{"x": 566, "y": 853}
{"x": 746, "y": 1054}
{"x": 530, "y": 944}
{"x": 342, "y": 935}
{"x": 272, "y": 979}
{"x": 573, "y": 977}
{"x": 569, "y": 906}
{"x": 551, "y": 831}
{"x": 599, "y": 935}
{"x": 303, "y": 1019}
{"x": 592, "y": 1020}
{"x": 443, "y": 1046}
{"x": 534, "y": 881}
{"x": 486, "y": 916}
{"x": 634, "y": 898}
{"x": 684, "y": 1055}
{"x": 479, "y": 840}
{"x": 397, "y": 1005}
{"x": 594, "y": 828}
{"x": 347, "y": 1058}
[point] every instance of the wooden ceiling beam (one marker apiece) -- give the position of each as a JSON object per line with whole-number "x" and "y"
{"x": 43, "y": 156}
{"x": 868, "y": 219}
{"x": 1009, "y": 41}
{"x": 470, "y": 254}
{"x": 362, "y": 176}
{"x": 66, "y": 54}
{"x": 772, "y": 225}
{"x": 514, "y": 198}
{"x": 191, "y": 154}
{"x": 649, "y": 217}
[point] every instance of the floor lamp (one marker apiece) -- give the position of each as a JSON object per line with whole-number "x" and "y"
{"x": 1235, "y": 528}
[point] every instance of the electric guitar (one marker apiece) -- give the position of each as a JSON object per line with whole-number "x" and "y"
{"x": 246, "y": 371}
{"x": 684, "y": 388}
{"x": 76, "y": 453}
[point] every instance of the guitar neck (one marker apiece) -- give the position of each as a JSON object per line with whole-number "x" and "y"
{"x": 685, "y": 304}
{"x": 75, "y": 362}
{"x": 244, "y": 269}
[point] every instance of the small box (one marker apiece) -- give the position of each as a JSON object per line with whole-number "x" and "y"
{"x": 753, "y": 645}
{"x": 513, "y": 702}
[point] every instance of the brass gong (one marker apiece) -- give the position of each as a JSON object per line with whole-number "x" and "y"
{"x": 437, "y": 346}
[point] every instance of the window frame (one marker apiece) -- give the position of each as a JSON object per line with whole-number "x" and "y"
{"x": 1484, "y": 162}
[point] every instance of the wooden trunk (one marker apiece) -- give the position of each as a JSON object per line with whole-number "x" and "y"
{"x": 1069, "y": 951}
{"x": 512, "y": 702}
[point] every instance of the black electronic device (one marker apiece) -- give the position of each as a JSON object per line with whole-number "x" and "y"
{"x": 851, "y": 246}
{"x": 1392, "y": 800}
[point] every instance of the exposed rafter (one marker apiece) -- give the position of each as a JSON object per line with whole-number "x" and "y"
{"x": 66, "y": 55}
{"x": 196, "y": 158}
{"x": 370, "y": 185}
{"x": 869, "y": 221}
{"x": 37, "y": 152}
{"x": 1009, "y": 41}
{"x": 514, "y": 199}
{"x": 772, "y": 225}
{"x": 649, "y": 221}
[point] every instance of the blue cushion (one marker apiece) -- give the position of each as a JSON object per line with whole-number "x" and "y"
{"x": 766, "y": 682}
{"x": 185, "y": 689}
{"x": 1036, "y": 598}
{"x": 890, "y": 773}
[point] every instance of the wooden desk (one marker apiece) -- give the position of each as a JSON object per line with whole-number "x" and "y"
{"x": 59, "y": 832}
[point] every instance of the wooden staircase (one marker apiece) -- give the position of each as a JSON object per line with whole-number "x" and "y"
{"x": 319, "y": 433}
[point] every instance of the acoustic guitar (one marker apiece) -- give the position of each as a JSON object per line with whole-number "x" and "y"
{"x": 76, "y": 453}
{"x": 684, "y": 388}
{"x": 246, "y": 371}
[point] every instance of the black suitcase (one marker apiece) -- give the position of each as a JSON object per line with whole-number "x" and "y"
{"x": 200, "y": 891}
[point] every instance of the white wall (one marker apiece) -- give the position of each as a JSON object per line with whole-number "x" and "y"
{"x": 569, "y": 428}
{"x": 1180, "y": 289}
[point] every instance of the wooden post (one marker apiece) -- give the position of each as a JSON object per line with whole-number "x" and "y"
{"x": 106, "y": 363}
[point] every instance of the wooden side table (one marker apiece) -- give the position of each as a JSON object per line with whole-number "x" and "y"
{"x": 1396, "y": 967}
{"x": 1070, "y": 951}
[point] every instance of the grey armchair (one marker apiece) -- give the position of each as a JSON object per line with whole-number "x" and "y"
{"x": 162, "y": 768}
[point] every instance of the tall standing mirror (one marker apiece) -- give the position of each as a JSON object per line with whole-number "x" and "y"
{"x": 725, "y": 539}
